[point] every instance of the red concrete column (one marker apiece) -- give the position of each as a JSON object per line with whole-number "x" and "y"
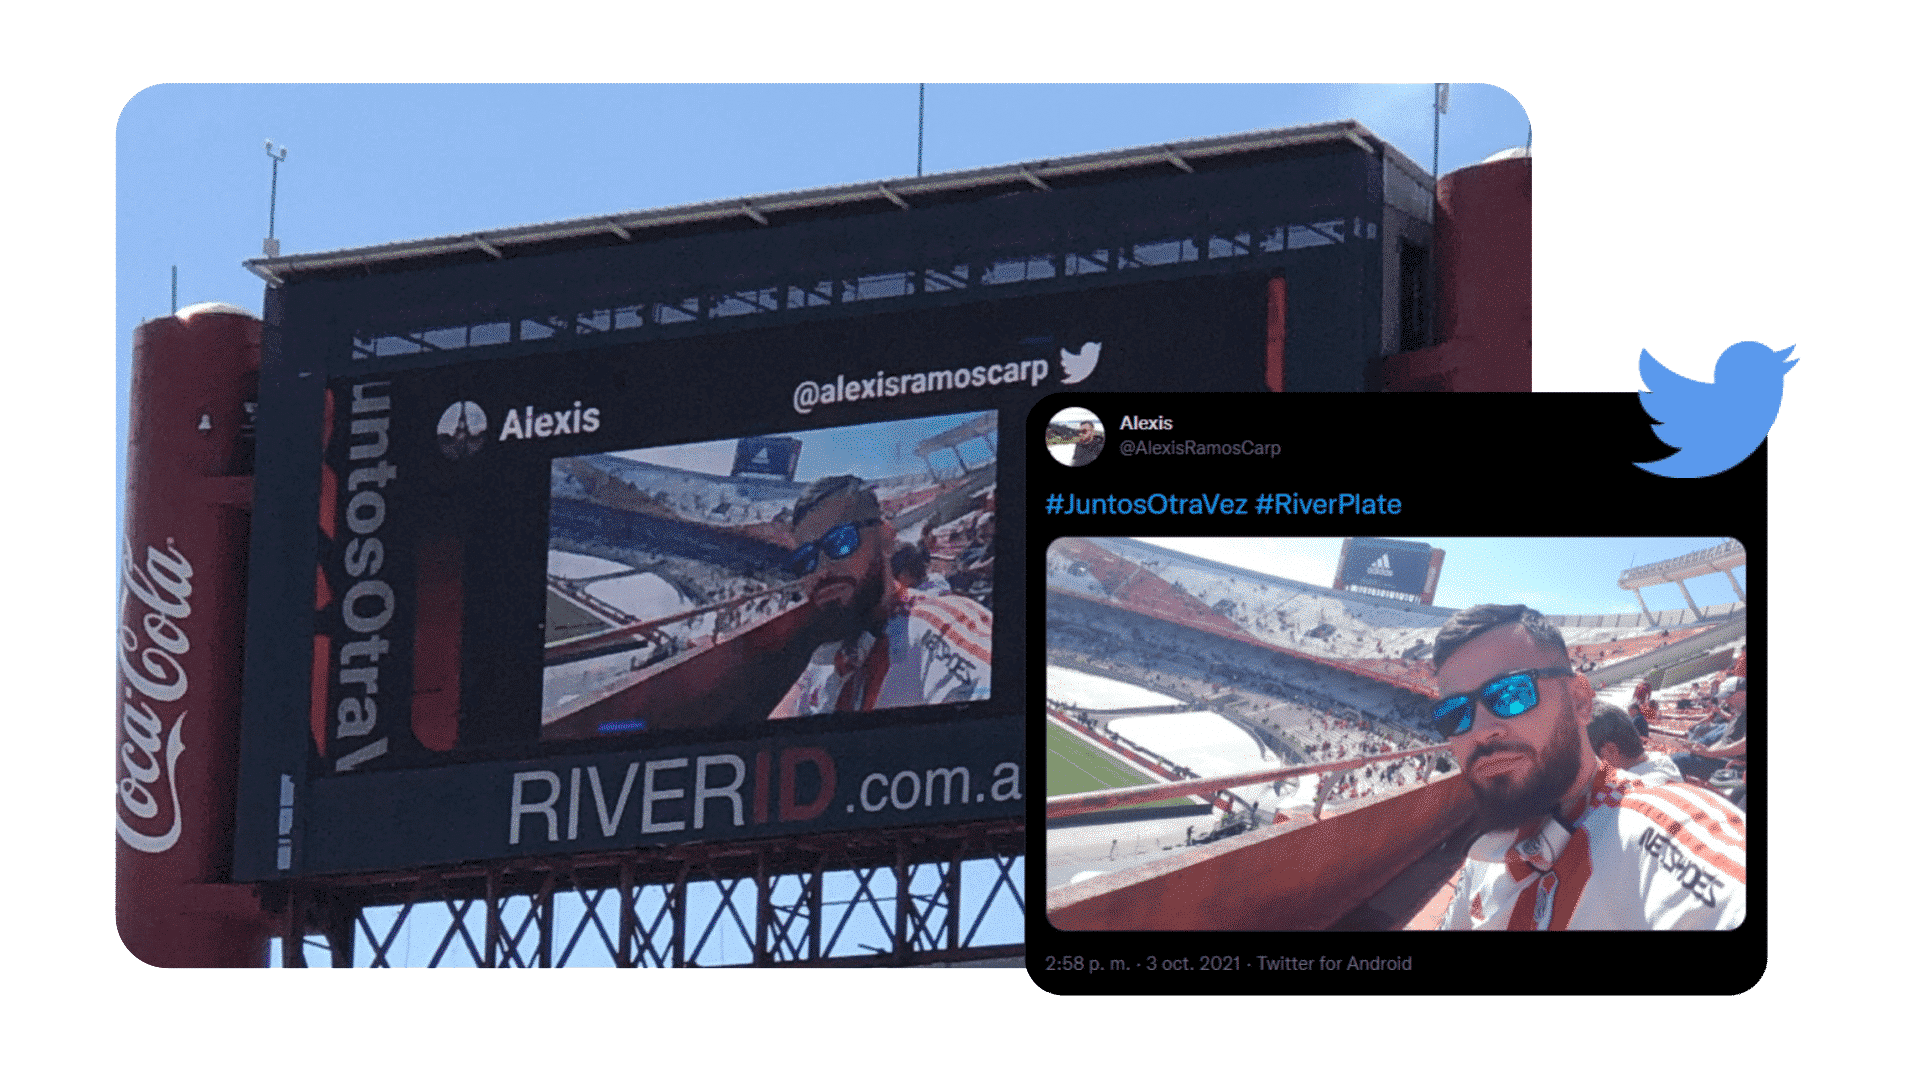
{"x": 1484, "y": 252}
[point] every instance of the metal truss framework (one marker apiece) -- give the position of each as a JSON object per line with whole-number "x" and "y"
{"x": 1215, "y": 250}
{"x": 898, "y": 898}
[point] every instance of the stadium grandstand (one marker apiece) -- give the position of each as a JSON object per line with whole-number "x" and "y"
{"x": 1216, "y": 730}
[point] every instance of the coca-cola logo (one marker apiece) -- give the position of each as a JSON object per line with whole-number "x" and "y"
{"x": 152, "y": 672}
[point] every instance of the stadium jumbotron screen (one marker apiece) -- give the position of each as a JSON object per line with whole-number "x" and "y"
{"x": 562, "y": 612}
{"x": 574, "y": 595}
{"x": 547, "y": 524}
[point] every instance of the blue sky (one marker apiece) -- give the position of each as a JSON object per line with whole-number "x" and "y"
{"x": 372, "y": 164}
{"x": 1559, "y": 576}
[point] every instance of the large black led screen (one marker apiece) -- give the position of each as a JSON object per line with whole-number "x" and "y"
{"x": 598, "y": 593}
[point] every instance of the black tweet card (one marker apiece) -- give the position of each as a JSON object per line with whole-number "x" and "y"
{"x": 1325, "y": 677}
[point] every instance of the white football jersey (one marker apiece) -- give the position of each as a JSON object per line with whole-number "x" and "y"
{"x": 936, "y": 649}
{"x": 1642, "y": 857}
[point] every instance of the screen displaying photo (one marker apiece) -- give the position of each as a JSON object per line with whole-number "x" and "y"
{"x": 1328, "y": 714}
{"x": 814, "y": 573}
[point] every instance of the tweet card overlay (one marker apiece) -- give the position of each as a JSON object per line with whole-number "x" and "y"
{"x": 1257, "y": 781}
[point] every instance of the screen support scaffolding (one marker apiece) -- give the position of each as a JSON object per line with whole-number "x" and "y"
{"x": 902, "y": 899}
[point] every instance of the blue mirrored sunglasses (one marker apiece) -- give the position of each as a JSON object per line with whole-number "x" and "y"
{"x": 838, "y": 543}
{"x": 1504, "y": 696}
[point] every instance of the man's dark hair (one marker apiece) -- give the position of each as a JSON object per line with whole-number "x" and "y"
{"x": 1470, "y": 623}
{"x": 829, "y": 486}
{"x": 910, "y": 564}
{"x": 1610, "y": 725}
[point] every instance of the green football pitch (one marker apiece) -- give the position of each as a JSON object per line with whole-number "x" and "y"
{"x": 1074, "y": 766}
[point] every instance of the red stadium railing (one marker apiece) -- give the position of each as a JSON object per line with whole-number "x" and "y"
{"x": 1086, "y": 802}
{"x": 1292, "y": 875}
{"x": 733, "y": 610}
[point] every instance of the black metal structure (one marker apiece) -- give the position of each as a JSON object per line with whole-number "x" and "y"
{"x": 898, "y": 898}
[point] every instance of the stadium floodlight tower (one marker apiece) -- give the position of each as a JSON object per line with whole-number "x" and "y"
{"x": 270, "y": 247}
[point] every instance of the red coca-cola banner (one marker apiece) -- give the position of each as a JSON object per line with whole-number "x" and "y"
{"x": 182, "y": 617}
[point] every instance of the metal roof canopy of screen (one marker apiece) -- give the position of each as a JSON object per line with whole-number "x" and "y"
{"x": 872, "y": 197}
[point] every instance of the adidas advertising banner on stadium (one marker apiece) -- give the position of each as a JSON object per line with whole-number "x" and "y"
{"x": 1383, "y": 564}
{"x": 581, "y": 591}
{"x": 1260, "y": 757}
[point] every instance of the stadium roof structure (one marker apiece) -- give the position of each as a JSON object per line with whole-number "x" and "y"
{"x": 1717, "y": 559}
{"x": 1721, "y": 558}
{"x": 905, "y": 193}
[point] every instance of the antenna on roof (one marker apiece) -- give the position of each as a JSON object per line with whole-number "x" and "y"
{"x": 920, "y": 156}
{"x": 271, "y": 247}
{"x": 176, "y": 289}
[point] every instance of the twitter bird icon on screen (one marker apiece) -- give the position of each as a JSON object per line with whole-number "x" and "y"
{"x": 1715, "y": 425}
{"x": 1078, "y": 365}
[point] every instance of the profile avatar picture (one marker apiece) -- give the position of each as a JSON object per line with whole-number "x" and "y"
{"x": 1075, "y": 436}
{"x": 462, "y": 430}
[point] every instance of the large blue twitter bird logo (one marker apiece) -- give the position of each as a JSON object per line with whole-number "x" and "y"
{"x": 1714, "y": 425}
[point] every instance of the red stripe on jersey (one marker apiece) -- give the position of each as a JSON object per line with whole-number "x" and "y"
{"x": 1570, "y": 874}
{"x": 1715, "y": 810}
{"x": 877, "y": 669}
{"x": 1521, "y": 918}
{"x": 1709, "y": 808}
{"x": 1517, "y": 867}
{"x": 944, "y": 622}
{"x": 966, "y": 615}
{"x": 1575, "y": 867}
{"x": 1681, "y": 832}
{"x": 1714, "y": 815}
{"x": 862, "y": 688}
{"x": 1610, "y": 785}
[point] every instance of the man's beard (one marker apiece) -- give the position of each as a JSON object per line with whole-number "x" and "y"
{"x": 1510, "y": 800}
{"x": 837, "y": 621}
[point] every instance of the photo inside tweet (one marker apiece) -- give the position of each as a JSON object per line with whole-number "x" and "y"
{"x": 1324, "y": 678}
